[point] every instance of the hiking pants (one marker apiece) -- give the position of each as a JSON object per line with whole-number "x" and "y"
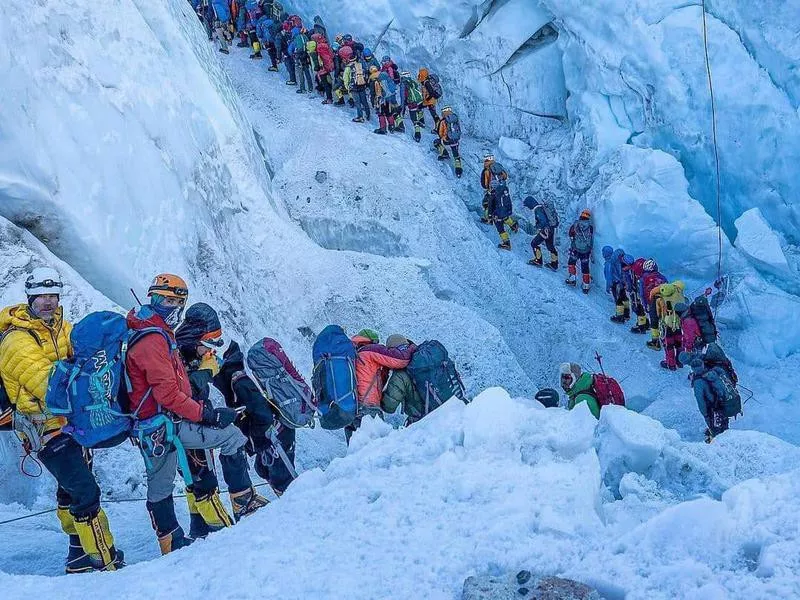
{"x": 386, "y": 115}
{"x": 544, "y": 236}
{"x": 583, "y": 257}
{"x": 304, "y": 71}
{"x": 432, "y": 110}
{"x": 327, "y": 86}
{"x": 221, "y": 38}
{"x": 415, "y": 112}
{"x": 273, "y": 54}
{"x": 621, "y": 300}
{"x": 715, "y": 418}
{"x": 161, "y": 470}
{"x": 672, "y": 346}
{"x": 500, "y": 225}
{"x": 77, "y": 488}
{"x": 288, "y": 62}
{"x": 362, "y": 103}
{"x": 269, "y": 464}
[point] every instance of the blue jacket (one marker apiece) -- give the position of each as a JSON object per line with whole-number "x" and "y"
{"x": 613, "y": 266}
{"x": 222, "y": 9}
{"x": 708, "y": 387}
{"x": 262, "y": 28}
{"x": 540, "y": 218}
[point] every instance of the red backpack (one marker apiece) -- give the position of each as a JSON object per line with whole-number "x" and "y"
{"x": 607, "y": 390}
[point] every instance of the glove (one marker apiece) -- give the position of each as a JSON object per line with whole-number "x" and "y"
{"x": 218, "y": 418}
{"x": 210, "y": 362}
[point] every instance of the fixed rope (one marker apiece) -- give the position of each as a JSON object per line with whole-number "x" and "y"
{"x": 716, "y": 147}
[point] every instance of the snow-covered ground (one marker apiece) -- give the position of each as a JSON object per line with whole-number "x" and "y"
{"x": 207, "y": 167}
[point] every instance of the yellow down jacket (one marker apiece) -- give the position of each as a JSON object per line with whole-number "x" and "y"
{"x": 27, "y": 353}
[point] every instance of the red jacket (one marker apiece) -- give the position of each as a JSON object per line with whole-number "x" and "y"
{"x": 373, "y": 363}
{"x": 326, "y": 58}
{"x": 156, "y": 367}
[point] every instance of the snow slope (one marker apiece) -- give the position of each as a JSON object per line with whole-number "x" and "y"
{"x": 498, "y": 485}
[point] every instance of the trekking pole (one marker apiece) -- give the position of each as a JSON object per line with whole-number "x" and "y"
{"x": 383, "y": 33}
{"x": 599, "y": 360}
{"x": 136, "y": 297}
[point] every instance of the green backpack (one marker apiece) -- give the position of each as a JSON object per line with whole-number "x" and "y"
{"x": 413, "y": 91}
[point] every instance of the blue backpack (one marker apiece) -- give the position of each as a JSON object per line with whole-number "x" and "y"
{"x": 334, "y": 378}
{"x": 91, "y": 388}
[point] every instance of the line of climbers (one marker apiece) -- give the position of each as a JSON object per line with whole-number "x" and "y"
{"x": 342, "y": 68}
{"x": 146, "y": 377}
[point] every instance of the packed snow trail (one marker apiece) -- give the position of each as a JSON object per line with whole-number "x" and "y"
{"x": 486, "y": 488}
{"x": 389, "y": 195}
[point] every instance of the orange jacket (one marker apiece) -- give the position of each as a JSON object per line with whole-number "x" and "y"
{"x": 427, "y": 99}
{"x": 373, "y": 363}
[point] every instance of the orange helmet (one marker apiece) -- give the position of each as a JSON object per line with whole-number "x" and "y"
{"x": 586, "y": 214}
{"x": 422, "y": 75}
{"x": 168, "y": 285}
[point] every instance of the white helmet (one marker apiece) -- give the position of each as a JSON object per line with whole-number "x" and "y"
{"x": 43, "y": 280}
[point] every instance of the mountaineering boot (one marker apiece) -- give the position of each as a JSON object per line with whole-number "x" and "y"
{"x": 351, "y": 103}
{"x": 709, "y": 437}
{"x": 505, "y": 245}
{"x": 326, "y": 101}
{"x": 162, "y": 517}
{"x": 97, "y": 542}
{"x": 666, "y": 365}
{"x": 585, "y": 288}
{"x": 654, "y": 344}
{"x": 224, "y": 50}
{"x": 400, "y": 127}
{"x": 291, "y": 82}
{"x": 273, "y": 68}
{"x": 587, "y": 281}
{"x": 552, "y": 265}
{"x": 618, "y": 319}
{"x": 444, "y": 155}
{"x": 77, "y": 559}
{"x": 641, "y": 325}
{"x": 536, "y": 262}
{"x": 358, "y": 120}
{"x": 256, "y": 56}
{"x": 198, "y": 528}
{"x": 460, "y": 170}
{"x": 339, "y": 102}
{"x": 380, "y": 131}
{"x": 417, "y": 136}
{"x": 213, "y": 512}
{"x": 570, "y": 280}
{"x": 300, "y": 92}
{"x": 246, "y": 503}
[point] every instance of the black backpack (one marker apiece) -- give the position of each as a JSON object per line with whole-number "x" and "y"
{"x": 700, "y": 311}
{"x": 434, "y": 375}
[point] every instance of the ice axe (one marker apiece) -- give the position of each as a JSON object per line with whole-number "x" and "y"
{"x": 599, "y": 360}
{"x": 383, "y": 33}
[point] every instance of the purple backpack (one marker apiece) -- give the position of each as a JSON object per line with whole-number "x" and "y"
{"x": 281, "y": 384}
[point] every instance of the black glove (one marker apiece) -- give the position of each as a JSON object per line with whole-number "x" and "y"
{"x": 219, "y": 418}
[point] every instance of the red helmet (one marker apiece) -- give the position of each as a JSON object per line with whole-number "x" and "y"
{"x": 345, "y": 53}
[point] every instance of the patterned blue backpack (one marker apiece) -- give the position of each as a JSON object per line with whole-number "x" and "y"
{"x": 91, "y": 388}
{"x": 334, "y": 378}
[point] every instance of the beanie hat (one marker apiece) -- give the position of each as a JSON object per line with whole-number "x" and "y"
{"x": 395, "y": 340}
{"x": 370, "y": 334}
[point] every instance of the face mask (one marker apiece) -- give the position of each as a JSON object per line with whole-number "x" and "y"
{"x": 172, "y": 315}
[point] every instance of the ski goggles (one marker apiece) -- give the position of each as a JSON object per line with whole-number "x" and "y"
{"x": 212, "y": 339}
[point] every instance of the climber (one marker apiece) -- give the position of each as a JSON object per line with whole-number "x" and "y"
{"x": 33, "y": 336}
{"x": 198, "y": 338}
{"x": 385, "y": 94}
{"x": 266, "y": 29}
{"x": 341, "y": 88}
{"x": 286, "y": 46}
{"x": 326, "y": 70}
{"x": 649, "y": 281}
{"x": 356, "y": 80}
{"x": 501, "y": 212}
{"x": 545, "y": 222}
{"x": 389, "y": 67}
{"x": 373, "y": 363}
{"x": 579, "y": 387}
{"x": 221, "y": 14}
{"x": 581, "y": 235}
{"x": 411, "y": 99}
{"x": 319, "y": 28}
{"x": 254, "y": 13}
{"x": 169, "y": 420}
{"x": 259, "y": 418}
{"x": 299, "y": 50}
{"x": 493, "y": 176}
{"x": 633, "y": 287}
{"x": 431, "y": 93}
{"x": 615, "y": 278}
{"x": 449, "y": 131}
{"x": 716, "y": 396}
{"x": 667, "y": 296}
{"x": 369, "y": 59}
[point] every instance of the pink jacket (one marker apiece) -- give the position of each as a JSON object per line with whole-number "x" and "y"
{"x": 373, "y": 363}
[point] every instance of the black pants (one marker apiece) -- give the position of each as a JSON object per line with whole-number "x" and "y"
{"x": 270, "y": 466}
{"x": 540, "y": 239}
{"x": 77, "y": 488}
